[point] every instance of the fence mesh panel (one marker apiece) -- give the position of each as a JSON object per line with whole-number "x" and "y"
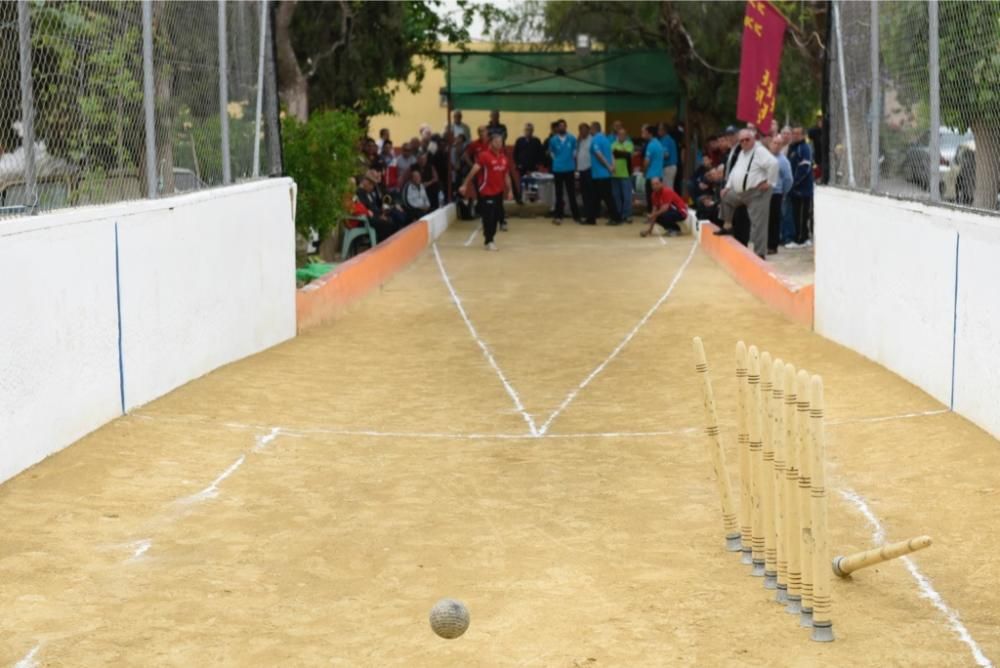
{"x": 86, "y": 101}
{"x": 968, "y": 132}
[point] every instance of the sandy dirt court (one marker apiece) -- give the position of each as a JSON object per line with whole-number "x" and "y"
{"x": 537, "y": 454}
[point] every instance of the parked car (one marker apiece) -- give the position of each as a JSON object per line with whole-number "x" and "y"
{"x": 916, "y": 161}
{"x": 185, "y": 180}
{"x": 959, "y": 183}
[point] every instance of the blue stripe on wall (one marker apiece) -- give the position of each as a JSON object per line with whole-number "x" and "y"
{"x": 118, "y": 296}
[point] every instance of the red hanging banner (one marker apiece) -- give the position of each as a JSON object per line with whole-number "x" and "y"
{"x": 763, "y": 37}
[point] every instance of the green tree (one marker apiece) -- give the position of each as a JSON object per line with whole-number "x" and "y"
{"x": 353, "y": 55}
{"x": 702, "y": 38}
{"x": 321, "y": 155}
{"x": 969, "y": 56}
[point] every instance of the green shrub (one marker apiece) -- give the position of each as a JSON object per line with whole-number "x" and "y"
{"x": 321, "y": 155}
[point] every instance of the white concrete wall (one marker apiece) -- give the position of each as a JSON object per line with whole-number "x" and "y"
{"x": 439, "y": 220}
{"x": 58, "y": 338}
{"x": 886, "y": 274}
{"x": 206, "y": 279}
{"x": 204, "y": 283}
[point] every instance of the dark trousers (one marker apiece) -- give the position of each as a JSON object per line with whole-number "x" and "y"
{"x": 801, "y": 211}
{"x": 774, "y": 223}
{"x": 491, "y": 207}
{"x": 587, "y": 194}
{"x": 602, "y": 193}
{"x": 384, "y": 227}
{"x": 741, "y": 225}
{"x": 515, "y": 182}
{"x": 566, "y": 180}
{"x": 669, "y": 219}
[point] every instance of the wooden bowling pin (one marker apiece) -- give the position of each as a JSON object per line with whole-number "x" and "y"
{"x": 715, "y": 451}
{"x": 822, "y": 622}
{"x": 756, "y": 465}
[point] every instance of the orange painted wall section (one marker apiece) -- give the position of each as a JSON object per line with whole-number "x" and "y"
{"x": 758, "y": 277}
{"x": 324, "y": 298}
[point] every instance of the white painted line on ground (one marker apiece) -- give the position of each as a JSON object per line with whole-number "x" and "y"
{"x": 29, "y": 659}
{"x": 472, "y": 237}
{"x": 262, "y": 441}
{"x": 926, "y": 589}
{"x": 662, "y": 240}
{"x": 212, "y": 490}
{"x": 141, "y": 547}
{"x": 482, "y": 345}
{"x": 886, "y": 418}
{"x": 621, "y": 346}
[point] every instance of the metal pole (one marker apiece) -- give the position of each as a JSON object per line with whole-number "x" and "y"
{"x": 934, "y": 150}
{"x": 149, "y": 99}
{"x": 260, "y": 89}
{"x": 272, "y": 109}
{"x": 227, "y": 174}
{"x": 27, "y": 103}
{"x": 876, "y": 93}
{"x": 843, "y": 92}
{"x": 447, "y": 126}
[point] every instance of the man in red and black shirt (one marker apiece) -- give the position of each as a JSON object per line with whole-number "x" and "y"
{"x": 493, "y": 185}
{"x": 476, "y": 147}
{"x": 668, "y": 209}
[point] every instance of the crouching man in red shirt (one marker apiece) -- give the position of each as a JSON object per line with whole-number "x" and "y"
{"x": 668, "y": 210}
{"x": 493, "y": 185}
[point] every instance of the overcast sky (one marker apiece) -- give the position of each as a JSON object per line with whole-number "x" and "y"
{"x": 477, "y": 28}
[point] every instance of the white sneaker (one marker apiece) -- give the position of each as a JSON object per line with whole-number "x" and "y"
{"x": 491, "y": 246}
{"x": 808, "y": 243}
{"x": 791, "y": 244}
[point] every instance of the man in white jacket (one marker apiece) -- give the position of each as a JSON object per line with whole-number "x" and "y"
{"x": 415, "y": 199}
{"x": 749, "y": 184}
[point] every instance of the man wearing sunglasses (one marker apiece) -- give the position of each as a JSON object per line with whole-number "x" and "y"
{"x": 749, "y": 184}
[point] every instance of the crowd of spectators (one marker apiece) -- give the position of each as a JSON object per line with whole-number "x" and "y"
{"x": 598, "y": 174}
{"x": 781, "y": 215}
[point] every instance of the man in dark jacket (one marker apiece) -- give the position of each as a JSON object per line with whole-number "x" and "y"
{"x": 801, "y": 193}
{"x": 528, "y": 156}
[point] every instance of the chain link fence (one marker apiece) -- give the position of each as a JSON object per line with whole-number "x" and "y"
{"x": 111, "y": 101}
{"x": 914, "y": 105}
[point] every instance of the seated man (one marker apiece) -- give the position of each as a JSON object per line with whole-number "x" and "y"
{"x": 368, "y": 197}
{"x": 415, "y": 200}
{"x": 668, "y": 209}
{"x": 708, "y": 197}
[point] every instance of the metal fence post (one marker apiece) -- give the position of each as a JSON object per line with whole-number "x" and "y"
{"x": 934, "y": 149}
{"x": 27, "y": 103}
{"x": 149, "y": 99}
{"x": 271, "y": 106}
{"x": 260, "y": 88}
{"x": 839, "y": 27}
{"x": 227, "y": 174}
{"x": 876, "y": 93}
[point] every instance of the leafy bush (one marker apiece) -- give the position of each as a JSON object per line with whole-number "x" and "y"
{"x": 321, "y": 155}
{"x": 198, "y": 143}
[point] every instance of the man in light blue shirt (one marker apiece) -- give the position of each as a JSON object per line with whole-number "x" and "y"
{"x": 653, "y": 164}
{"x": 778, "y": 196}
{"x": 562, "y": 148}
{"x": 669, "y": 156}
{"x": 602, "y": 166}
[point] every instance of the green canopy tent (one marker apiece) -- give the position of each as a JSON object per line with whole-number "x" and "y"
{"x": 547, "y": 81}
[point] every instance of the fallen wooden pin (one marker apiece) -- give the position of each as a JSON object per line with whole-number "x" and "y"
{"x": 844, "y": 566}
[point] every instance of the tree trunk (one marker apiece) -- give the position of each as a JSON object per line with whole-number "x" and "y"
{"x": 293, "y": 87}
{"x": 163, "y": 95}
{"x": 987, "y": 166}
